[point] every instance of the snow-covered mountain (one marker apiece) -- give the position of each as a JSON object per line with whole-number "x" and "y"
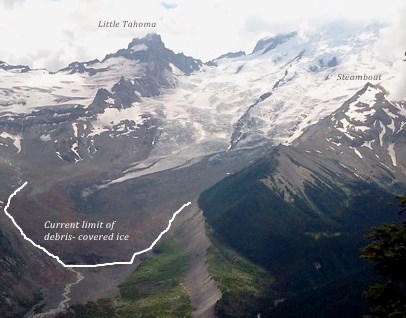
{"x": 145, "y": 109}
{"x": 170, "y": 109}
{"x": 366, "y": 135}
{"x": 362, "y": 141}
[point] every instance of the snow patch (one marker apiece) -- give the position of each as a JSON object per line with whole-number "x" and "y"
{"x": 388, "y": 112}
{"x": 16, "y": 139}
{"x": 346, "y": 124}
{"x": 369, "y": 97}
{"x": 357, "y": 152}
{"x": 59, "y": 155}
{"x": 74, "y": 149}
{"x": 360, "y": 111}
{"x": 139, "y": 47}
{"x": 367, "y": 144}
{"x": 110, "y": 101}
{"x": 113, "y": 116}
{"x": 75, "y": 129}
{"x": 45, "y": 137}
{"x": 381, "y": 133}
{"x": 387, "y": 167}
{"x": 392, "y": 125}
{"x": 392, "y": 153}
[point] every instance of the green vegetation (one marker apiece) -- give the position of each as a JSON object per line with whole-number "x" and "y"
{"x": 387, "y": 251}
{"x": 155, "y": 289}
{"x": 245, "y": 286}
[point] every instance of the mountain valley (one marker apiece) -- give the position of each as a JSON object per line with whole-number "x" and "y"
{"x": 286, "y": 165}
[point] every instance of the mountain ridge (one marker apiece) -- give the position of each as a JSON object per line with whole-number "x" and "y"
{"x": 302, "y": 210}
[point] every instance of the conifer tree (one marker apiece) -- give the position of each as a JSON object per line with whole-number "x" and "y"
{"x": 387, "y": 250}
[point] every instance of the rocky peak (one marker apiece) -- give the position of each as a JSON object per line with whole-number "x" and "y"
{"x": 231, "y": 55}
{"x": 151, "y": 40}
{"x": 270, "y": 43}
{"x": 150, "y": 49}
{"x": 15, "y": 68}
{"x": 367, "y": 130}
{"x": 365, "y": 109}
{"x": 82, "y": 67}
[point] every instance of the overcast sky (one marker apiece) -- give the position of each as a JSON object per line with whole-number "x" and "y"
{"x": 52, "y": 33}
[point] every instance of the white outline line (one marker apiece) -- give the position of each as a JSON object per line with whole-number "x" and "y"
{"x": 94, "y": 265}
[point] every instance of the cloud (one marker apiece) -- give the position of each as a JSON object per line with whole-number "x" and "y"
{"x": 9, "y": 4}
{"x": 399, "y": 90}
{"x": 169, "y": 5}
{"x": 257, "y": 24}
{"x": 391, "y": 47}
{"x": 68, "y": 29}
{"x": 60, "y": 30}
